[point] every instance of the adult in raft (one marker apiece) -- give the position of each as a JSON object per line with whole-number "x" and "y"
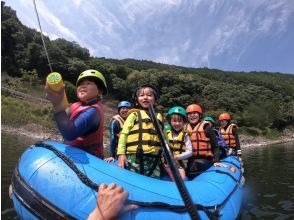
{"x": 229, "y": 132}
{"x": 204, "y": 142}
{"x": 115, "y": 127}
{"x": 81, "y": 125}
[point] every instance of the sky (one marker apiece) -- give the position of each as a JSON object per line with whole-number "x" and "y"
{"x": 231, "y": 35}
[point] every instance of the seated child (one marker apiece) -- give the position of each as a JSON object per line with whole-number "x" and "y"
{"x": 179, "y": 141}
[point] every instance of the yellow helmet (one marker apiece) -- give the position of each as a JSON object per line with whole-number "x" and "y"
{"x": 97, "y": 76}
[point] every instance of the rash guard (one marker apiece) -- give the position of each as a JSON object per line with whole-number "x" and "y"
{"x": 114, "y": 129}
{"x": 86, "y": 122}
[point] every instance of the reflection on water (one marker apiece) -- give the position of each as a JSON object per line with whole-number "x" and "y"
{"x": 270, "y": 183}
{"x": 269, "y": 192}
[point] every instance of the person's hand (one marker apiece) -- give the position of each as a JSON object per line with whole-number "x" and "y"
{"x": 220, "y": 165}
{"x": 109, "y": 159}
{"x": 122, "y": 161}
{"x": 110, "y": 203}
{"x": 55, "y": 98}
{"x": 10, "y": 191}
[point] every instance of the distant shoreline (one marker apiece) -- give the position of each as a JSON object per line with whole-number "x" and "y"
{"x": 37, "y": 132}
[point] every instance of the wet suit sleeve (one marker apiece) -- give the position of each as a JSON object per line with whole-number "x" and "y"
{"x": 210, "y": 133}
{"x": 114, "y": 129}
{"x": 128, "y": 125}
{"x": 86, "y": 122}
{"x": 235, "y": 133}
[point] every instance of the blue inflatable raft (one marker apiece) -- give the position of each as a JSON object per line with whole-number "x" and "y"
{"x": 55, "y": 181}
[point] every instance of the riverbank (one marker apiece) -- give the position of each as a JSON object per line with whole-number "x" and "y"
{"x": 37, "y": 132}
{"x": 33, "y": 131}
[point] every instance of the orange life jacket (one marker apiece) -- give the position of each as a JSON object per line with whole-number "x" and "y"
{"x": 121, "y": 122}
{"x": 200, "y": 143}
{"x": 228, "y": 135}
{"x": 93, "y": 142}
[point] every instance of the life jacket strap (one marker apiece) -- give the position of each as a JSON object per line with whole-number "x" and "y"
{"x": 148, "y": 131}
{"x": 139, "y": 152}
{"x": 149, "y": 143}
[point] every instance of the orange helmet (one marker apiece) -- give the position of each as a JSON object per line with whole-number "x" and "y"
{"x": 224, "y": 116}
{"x": 194, "y": 108}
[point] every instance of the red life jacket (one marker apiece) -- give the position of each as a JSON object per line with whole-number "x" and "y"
{"x": 200, "y": 143}
{"x": 228, "y": 135}
{"x": 93, "y": 142}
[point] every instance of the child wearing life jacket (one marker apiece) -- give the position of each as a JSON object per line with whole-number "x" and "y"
{"x": 179, "y": 141}
{"x": 139, "y": 146}
{"x": 204, "y": 143}
{"x": 221, "y": 142}
{"x": 229, "y": 132}
{"x": 115, "y": 127}
{"x": 82, "y": 124}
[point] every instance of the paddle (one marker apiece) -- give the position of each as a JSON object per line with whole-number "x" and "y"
{"x": 171, "y": 163}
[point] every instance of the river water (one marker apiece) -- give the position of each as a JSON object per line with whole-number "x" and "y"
{"x": 269, "y": 191}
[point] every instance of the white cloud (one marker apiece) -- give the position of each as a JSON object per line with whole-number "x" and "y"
{"x": 191, "y": 33}
{"x": 46, "y": 15}
{"x": 77, "y": 2}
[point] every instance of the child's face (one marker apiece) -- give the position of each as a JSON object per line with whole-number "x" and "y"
{"x": 193, "y": 117}
{"x": 145, "y": 97}
{"x": 88, "y": 90}
{"x": 223, "y": 123}
{"x": 177, "y": 122}
{"x": 123, "y": 111}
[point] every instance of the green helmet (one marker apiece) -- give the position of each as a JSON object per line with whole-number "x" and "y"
{"x": 97, "y": 76}
{"x": 208, "y": 118}
{"x": 177, "y": 110}
{"x": 167, "y": 127}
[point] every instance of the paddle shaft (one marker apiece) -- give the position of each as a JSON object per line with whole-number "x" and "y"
{"x": 171, "y": 163}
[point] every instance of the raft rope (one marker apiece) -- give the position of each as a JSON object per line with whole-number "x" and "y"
{"x": 230, "y": 162}
{"x": 171, "y": 163}
{"x": 176, "y": 208}
{"x": 42, "y": 36}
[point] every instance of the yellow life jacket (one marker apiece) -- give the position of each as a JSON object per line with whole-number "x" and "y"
{"x": 228, "y": 135}
{"x": 200, "y": 143}
{"x": 177, "y": 145}
{"x": 144, "y": 133}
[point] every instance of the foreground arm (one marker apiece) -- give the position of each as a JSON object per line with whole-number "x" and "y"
{"x": 110, "y": 203}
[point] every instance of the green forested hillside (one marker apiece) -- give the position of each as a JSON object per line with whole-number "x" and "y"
{"x": 260, "y": 102}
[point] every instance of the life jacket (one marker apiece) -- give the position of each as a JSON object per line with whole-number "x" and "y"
{"x": 200, "y": 143}
{"x": 228, "y": 136}
{"x": 92, "y": 142}
{"x": 144, "y": 133}
{"x": 220, "y": 140}
{"x": 177, "y": 146}
{"x": 121, "y": 122}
